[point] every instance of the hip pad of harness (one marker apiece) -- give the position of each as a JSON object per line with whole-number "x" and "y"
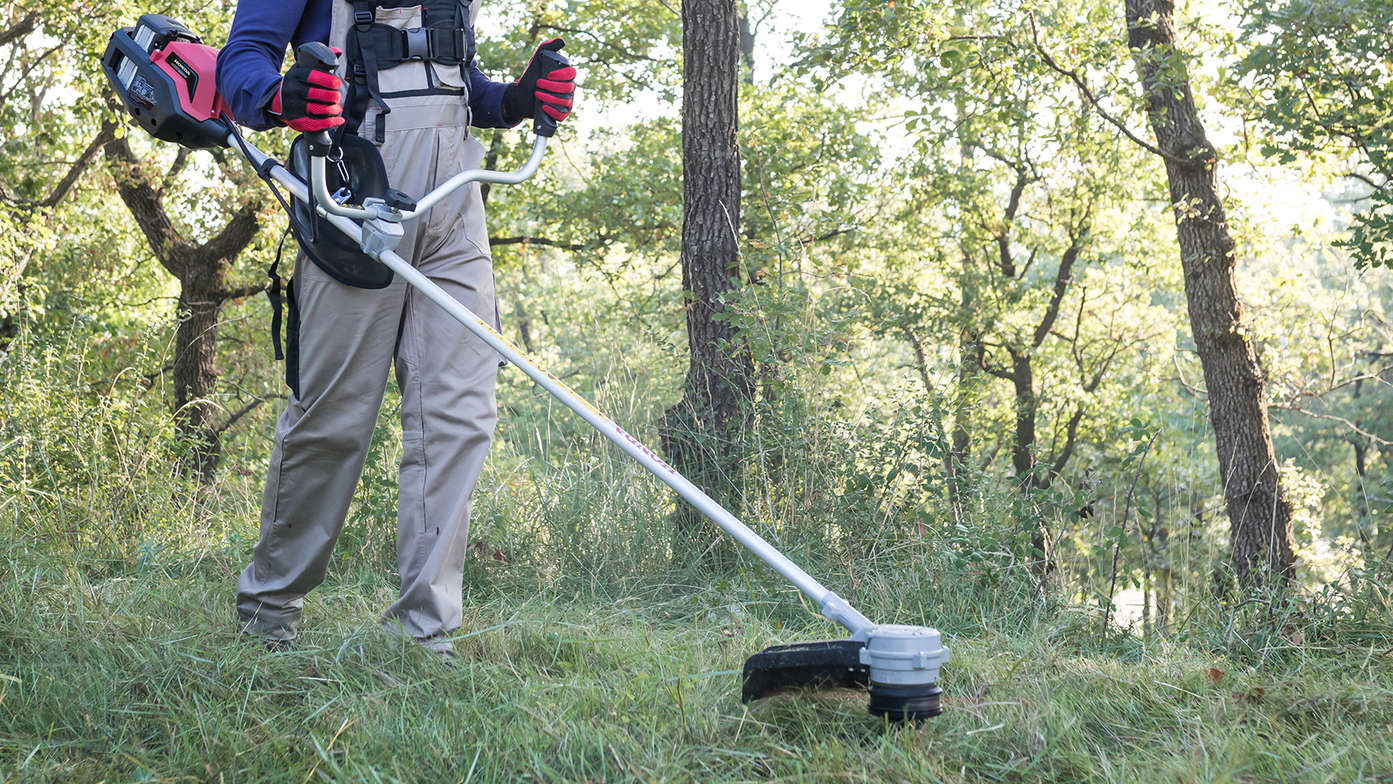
{"x": 330, "y": 249}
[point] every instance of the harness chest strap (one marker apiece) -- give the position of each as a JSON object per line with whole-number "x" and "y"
{"x": 445, "y": 37}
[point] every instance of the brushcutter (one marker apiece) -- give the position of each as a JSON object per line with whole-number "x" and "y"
{"x": 165, "y": 77}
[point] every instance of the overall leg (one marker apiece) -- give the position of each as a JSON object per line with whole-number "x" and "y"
{"x": 346, "y": 341}
{"x": 447, "y": 377}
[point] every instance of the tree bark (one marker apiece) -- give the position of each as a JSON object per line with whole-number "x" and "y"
{"x": 747, "y": 46}
{"x": 701, "y": 432}
{"x": 970, "y": 355}
{"x": 1022, "y": 376}
{"x": 202, "y": 271}
{"x": 195, "y": 374}
{"x": 1259, "y": 512}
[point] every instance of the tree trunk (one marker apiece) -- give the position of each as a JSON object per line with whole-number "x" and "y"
{"x": 1160, "y": 548}
{"x": 1259, "y": 512}
{"x": 1022, "y": 375}
{"x": 700, "y": 433}
{"x": 195, "y": 347}
{"x": 202, "y": 271}
{"x": 970, "y": 352}
{"x": 747, "y": 46}
{"x": 1023, "y": 450}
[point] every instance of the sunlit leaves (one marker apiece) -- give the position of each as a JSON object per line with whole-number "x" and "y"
{"x": 1324, "y": 75}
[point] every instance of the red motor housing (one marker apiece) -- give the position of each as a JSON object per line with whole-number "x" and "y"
{"x": 166, "y": 77}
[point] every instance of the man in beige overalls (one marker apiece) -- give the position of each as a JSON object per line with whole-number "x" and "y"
{"x": 414, "y": 58}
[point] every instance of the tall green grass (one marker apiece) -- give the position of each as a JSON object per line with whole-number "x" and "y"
{"x": 586, "y": 654}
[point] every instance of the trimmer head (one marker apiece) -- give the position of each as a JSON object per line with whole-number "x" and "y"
{"x": 897, "y": 664}
{"x": 904, "y": 662}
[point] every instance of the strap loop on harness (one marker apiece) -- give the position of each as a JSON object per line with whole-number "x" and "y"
{"x": 363, "y": 16}
{"x": 273, "y": 293}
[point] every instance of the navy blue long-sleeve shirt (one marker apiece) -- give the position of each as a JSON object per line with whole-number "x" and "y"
{"x": 249, "y": 66}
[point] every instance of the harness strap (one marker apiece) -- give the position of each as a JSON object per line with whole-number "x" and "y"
{"x": 447, "y": 38}
{"x": 363, "y": 19}
{"x": 273, "y": 293}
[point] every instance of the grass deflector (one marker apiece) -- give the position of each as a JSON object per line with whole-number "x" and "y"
{"x": 165, "y": 77}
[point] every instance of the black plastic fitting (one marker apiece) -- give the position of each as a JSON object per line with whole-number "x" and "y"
{"x": 906, "y": 703}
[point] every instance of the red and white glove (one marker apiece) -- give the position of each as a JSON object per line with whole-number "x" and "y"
{"x": 309, "y": 100}
{"x": 555, "y": 90}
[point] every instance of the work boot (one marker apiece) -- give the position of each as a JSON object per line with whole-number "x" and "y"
{"x": 440, "y": 645}
{"x": 271, "y": 644}
{"x": 275, "y": 640}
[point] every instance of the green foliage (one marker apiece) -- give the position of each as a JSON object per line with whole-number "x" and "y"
{"x": 89, "y": 460}
{"x": 1323, "y": 74}
{"x": 880, "y": 157}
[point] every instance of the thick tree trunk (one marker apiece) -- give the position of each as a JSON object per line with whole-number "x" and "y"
{"x": 1259, "y": 513}
{"x": 195, "y": 375}
{"x": 700, "y": 433}
{"x": 202, "y": 271}
{"x": 1022, "y": 375}
{"x": 1023, "y": 450}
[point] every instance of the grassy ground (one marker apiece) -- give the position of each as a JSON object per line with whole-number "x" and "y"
{"x": 121, "y": 674}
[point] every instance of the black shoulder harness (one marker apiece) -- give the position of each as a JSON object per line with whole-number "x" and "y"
{"x": 445, "y": 37}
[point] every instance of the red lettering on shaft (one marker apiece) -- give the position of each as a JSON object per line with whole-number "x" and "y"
{"x": 645, "y": 450}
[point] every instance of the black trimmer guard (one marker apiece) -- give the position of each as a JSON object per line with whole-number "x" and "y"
{"x": 836, "y": 664}
{"x": 833, "y": 663}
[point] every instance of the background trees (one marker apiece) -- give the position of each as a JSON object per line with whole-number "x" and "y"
{"x": 903, "y": 279}
{"x": 1258, "y": 507}
{"x": 911, "y": 285}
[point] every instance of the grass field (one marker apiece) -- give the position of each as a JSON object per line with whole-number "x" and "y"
{"x": 136, "y": 674}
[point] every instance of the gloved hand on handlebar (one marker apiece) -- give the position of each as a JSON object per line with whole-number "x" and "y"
{"x": 552, "y": 90}
{"x": 309, "y": 100}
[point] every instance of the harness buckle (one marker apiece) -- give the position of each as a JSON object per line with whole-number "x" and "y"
{"x": 363, "y": 17}
{"x": 417, "y": 41}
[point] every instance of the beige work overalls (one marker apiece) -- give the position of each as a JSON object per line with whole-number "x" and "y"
{"x": 348, "y": 338}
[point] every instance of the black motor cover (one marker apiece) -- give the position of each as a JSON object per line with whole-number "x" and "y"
{"x": 165, "y": 77}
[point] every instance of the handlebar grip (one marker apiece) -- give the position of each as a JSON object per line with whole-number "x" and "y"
{"x": 320, "y": 57}
{"x": 543, "y": 124}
